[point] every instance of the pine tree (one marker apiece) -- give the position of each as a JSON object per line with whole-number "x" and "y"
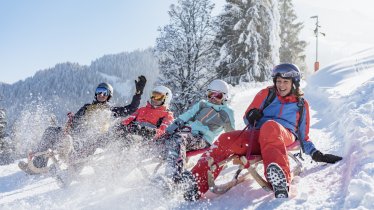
{"x": 184, "y": 50}
{"x": 3, "y": 123}
{"x": 247, "y": 40}
{"x": 292, "y": 48}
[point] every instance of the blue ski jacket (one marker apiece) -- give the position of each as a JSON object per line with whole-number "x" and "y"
{"x": 208, "y": 119}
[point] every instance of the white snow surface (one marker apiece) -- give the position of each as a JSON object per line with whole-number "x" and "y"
{"x": 341, "y": 97}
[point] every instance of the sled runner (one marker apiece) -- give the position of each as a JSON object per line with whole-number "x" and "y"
{"x": 254, "y": 161}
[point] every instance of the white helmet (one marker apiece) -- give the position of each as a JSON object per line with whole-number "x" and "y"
{"x": 220, "y": 86}
{"x": 165, "y": 91}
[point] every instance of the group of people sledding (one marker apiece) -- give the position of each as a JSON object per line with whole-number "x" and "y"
{"x": 271, "y": 127}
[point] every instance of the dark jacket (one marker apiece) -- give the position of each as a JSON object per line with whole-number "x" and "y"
{"x": 123, "y": 111}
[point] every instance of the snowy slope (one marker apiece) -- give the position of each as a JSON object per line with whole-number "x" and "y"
{"x": 342, "y": 107}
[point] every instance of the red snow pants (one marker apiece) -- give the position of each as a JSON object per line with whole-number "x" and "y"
{"x": 270, "y": 142}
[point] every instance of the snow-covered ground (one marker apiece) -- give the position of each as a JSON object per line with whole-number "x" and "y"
{"x": 342, "y": 107}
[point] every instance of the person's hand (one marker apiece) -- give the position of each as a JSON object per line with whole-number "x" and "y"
{"x": 159, "y": 134}
{"x": 171, "y": 129}
{"x": 140, "y": 84}
{"x": 254, "y": 115}
{"x": 325, "y": 158}
{"x": 147, "y": 131}
{"x": 134, "y": 128}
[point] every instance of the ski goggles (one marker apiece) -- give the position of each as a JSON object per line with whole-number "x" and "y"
{"x": 102, "y": 90}
{"x": 157, "y": 96}
{"x": 285, "y": 74}
{"x": 215, "y": 94}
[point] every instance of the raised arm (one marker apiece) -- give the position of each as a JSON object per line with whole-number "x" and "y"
{"x": 135, "y": 102}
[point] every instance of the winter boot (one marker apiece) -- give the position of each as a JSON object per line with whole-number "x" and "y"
{"x": 40, "y": 161}
{"x": 277, "y": 179}
{"x": 188, "y": 184}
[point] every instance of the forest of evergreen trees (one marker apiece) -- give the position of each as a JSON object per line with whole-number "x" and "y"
{"x": 68, "y": 86}
{"x": 241, "y": 44}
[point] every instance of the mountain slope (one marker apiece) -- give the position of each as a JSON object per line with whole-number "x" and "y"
{"x": 67, "y": 86}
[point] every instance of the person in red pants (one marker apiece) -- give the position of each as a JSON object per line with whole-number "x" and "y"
{"x": 273, "y": 125}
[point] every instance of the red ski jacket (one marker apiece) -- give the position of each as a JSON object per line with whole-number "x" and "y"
{"x": 158, "y": 116}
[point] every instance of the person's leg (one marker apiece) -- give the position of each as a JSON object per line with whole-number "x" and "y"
{"x": 51, "y": 137}
{"x": 50, "y": 140}
{"x": 273, "y": 140}
{"x": 175, "y": 147}
{"x": 189, "y": 143}
{"x": 231, "y": 143}
{"x": 85, "y": 146}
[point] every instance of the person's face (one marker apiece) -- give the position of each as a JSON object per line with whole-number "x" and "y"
{"x": 284, "y": 86}
{"x": 156, "y": 103}
{"x": 157, "y": 99}
{"x": 215, "y": 97}
{"x": 101, "y": 97}
{"x": 102, "y": 94}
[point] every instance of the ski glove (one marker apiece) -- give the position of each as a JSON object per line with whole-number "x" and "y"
{"x": 326, "y": 158}
{"x": 254, "y": 115}
{"x": 130, "y": 128}
{"x": 177, "y": 124}
{"x": 140, "y": 84}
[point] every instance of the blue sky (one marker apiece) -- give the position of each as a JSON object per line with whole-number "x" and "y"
{"x": 37, "y": 34}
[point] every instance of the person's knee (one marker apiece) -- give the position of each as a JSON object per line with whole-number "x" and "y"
{"x": 230, "y": 139}
{"x": 52, "y": 130}
{"x": 269, "y": 131}
{"x": 52, "y": 133}
{"x": 225, "y": 138}
{"x": 271, "y": 125}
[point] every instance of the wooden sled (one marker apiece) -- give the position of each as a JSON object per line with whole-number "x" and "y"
{"x": 29, "y": 166}
{"x": 57, "y": 156}
{"x": 251, "y": 171}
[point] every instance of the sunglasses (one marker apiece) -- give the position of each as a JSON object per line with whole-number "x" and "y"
{"x": 102, "y": 90}
{"x": 215, "y": 94}
{"x": 158, "y": 96}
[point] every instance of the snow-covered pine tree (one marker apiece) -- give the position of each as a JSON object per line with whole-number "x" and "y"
{"x": 247, "y": 40}
{"x": 184, "y": 50}
{"x": 292, "y": 48}
{"x": 3, "y": 123}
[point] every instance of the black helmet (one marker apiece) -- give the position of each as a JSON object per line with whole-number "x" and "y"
{"x": 106, "y": 86}
{"x": 287, "y": 70}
